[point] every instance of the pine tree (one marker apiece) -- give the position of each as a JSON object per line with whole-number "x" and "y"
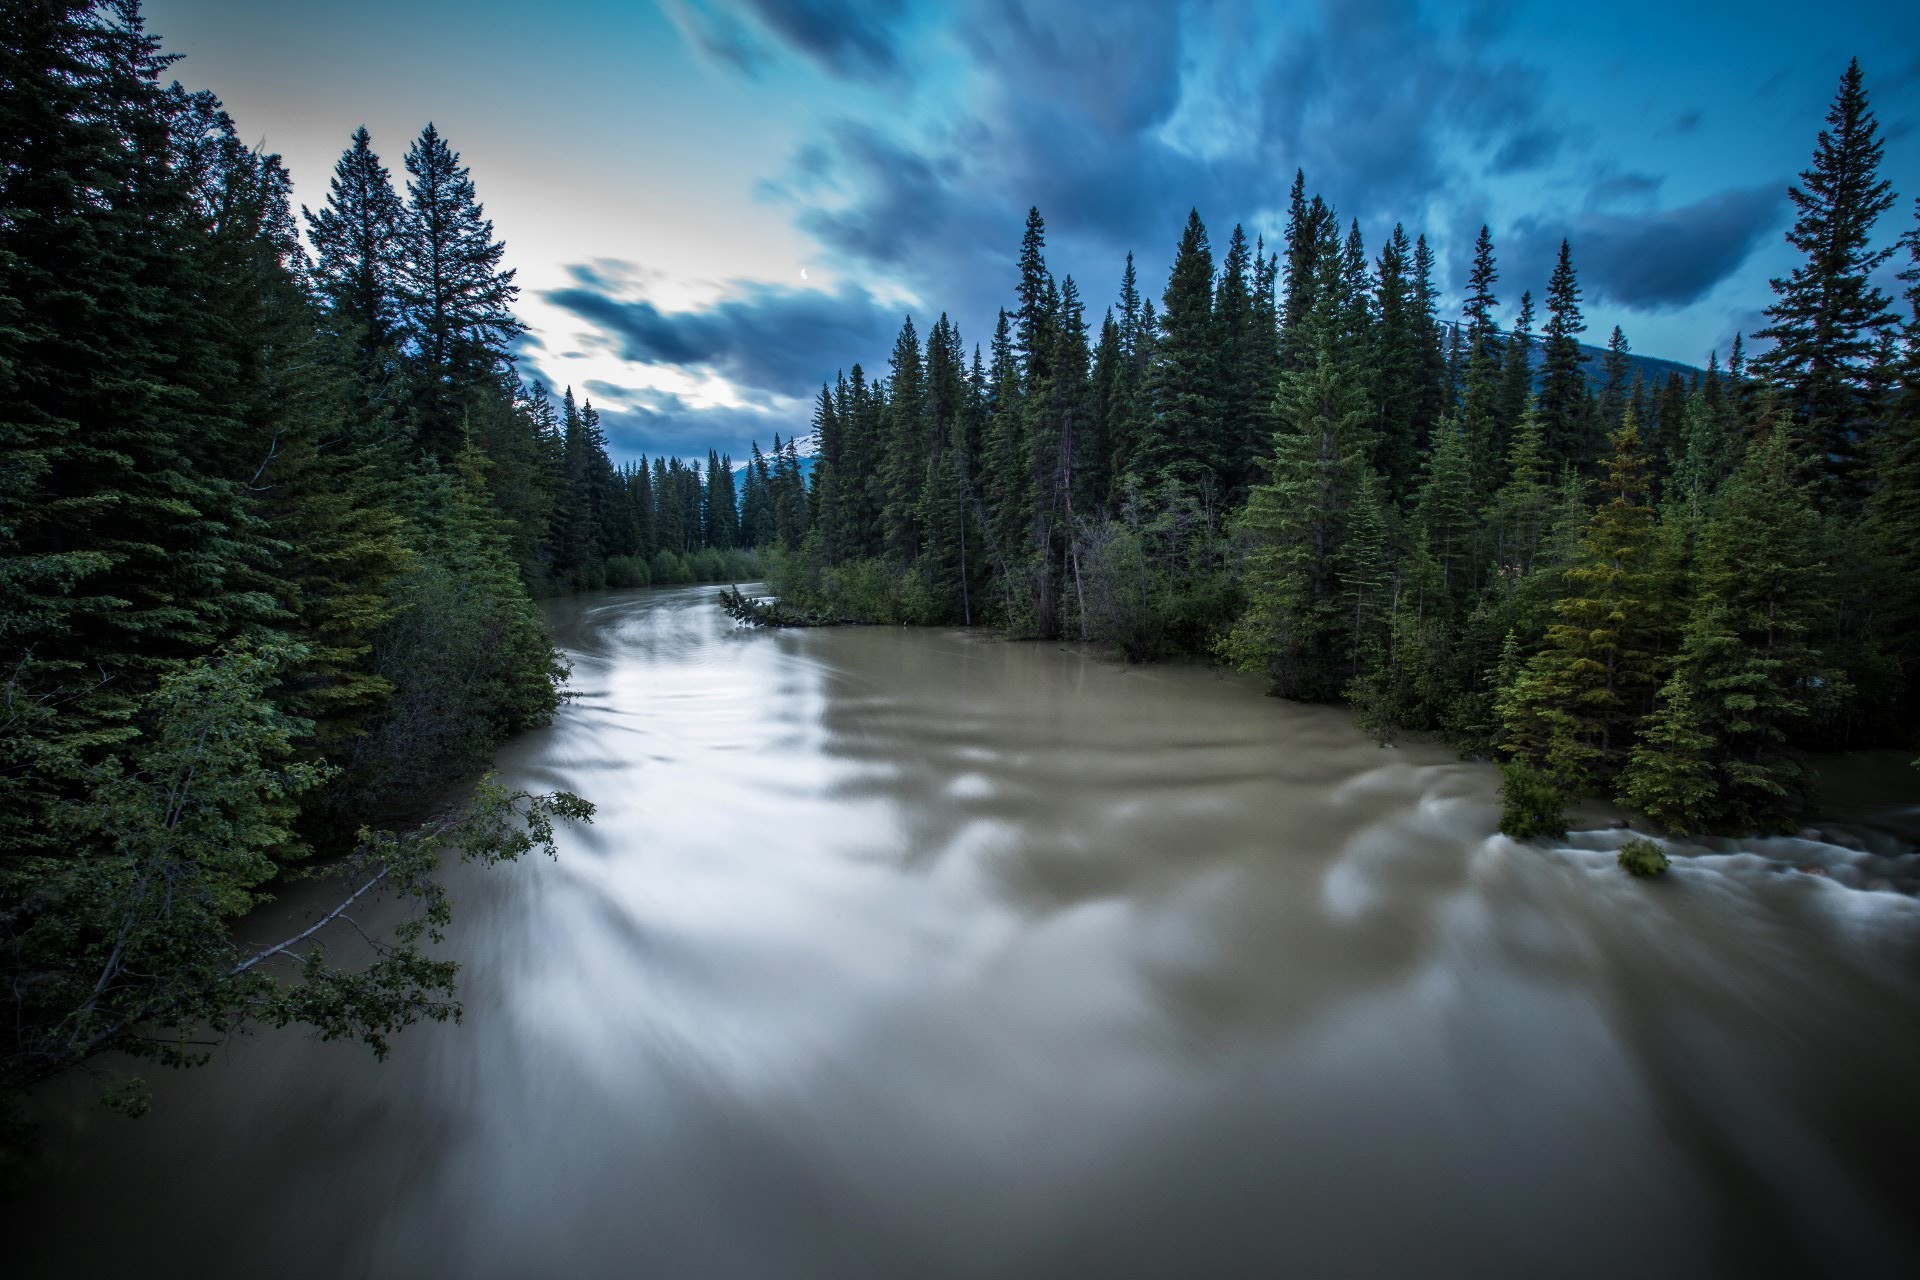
{"x": 1033, "y": 320}
{"x": 1181, "y": 439}
{"x": 1305, "y": 223}
{"x": 1717, "y": 753}
{"x": 357, "y": 244}
{"x": 1572, "y": 712}
{"x": 1828, "y": 313}
{"x": 1295, "y": 628}
{"x": 1516, "y": 370}
{"x": 457, "y": 300}
{"x": 903, "y": 460}
{"x": 1616, "y": 387}
{"x": 1444, "y": 510}
{"x": 1480, "y": 390}
{"x": 1563, "y": 388}
{"x": 1398, "y": 368}
{"x": 1243, "y": 388}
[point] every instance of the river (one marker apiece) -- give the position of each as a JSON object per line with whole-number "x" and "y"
{"x": 919, "y": 953}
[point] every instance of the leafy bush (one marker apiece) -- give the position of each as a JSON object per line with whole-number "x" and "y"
{"x": 1531, "y": 805}
{"x": 669, "y": 569}
{"x": 628, "y": 571}
{"x": 1643, "y": 858}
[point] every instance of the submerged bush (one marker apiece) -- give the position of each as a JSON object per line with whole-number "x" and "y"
{"x": 1531, "y": 805}
{"x": 1642, "y": 857}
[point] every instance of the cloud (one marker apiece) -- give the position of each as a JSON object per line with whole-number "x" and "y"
{"x": 1115, "y": 117}
{"x": 718, "y": 34}
{"x": 661, "y": 424}
{"x": 854, "y": 40}
{"x": 1528, "y": 149}
{"x": 1659, "y": 260}
{"x": 1616, "y": 188}
{"x": 759, "y": 337}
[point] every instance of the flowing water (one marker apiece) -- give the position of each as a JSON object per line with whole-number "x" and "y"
{"x": 900, "y": 953}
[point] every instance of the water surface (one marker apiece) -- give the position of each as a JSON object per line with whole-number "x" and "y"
{"x": 914, "y": 953}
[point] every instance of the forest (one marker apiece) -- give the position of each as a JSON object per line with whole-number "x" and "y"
{"x": 272, "y": 528}
{"x": 1660, "y": 591}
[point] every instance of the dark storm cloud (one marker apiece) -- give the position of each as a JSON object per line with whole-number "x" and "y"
{"x": 1614, "y": 188}
{"x": 759, "y": 337}
{"x": 661, "y": 424}
{"x": 857, "y": 40}
{"x": 1529, "y": 149}
{"x": 1657, "y": 260}
{"x": 1089, "y": 110}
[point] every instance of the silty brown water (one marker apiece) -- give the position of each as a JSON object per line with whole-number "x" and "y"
{"x": 922, "y": 953}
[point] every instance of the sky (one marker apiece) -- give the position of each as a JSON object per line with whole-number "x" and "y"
{"x": 714, "y": 205}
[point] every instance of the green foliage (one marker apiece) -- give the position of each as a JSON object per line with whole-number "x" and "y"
{"x": 266, "y": 533}
{"x": 1531, "y": 804}
{"x": 1643, "y": 859}
{"x": 130, "y": 948}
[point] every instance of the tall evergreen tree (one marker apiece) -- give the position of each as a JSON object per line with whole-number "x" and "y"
{"x": 458, "y": 302}
{"x": 1563, "y": 388}
{"x": 357, "y": 245}
{"x": 1828, "y": 313}
{"x": 1182, "y": 438}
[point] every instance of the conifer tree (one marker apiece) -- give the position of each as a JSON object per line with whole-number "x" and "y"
{"x": 1716, "y": 756}
{"x": 1828, "y": 313}
{"x": 357, "y": 245}
{"x": 1242, "y": 387}
{"x": 1563, "y": 388}
{"x": 1572, "y": 712}
{"x": 1304, "y": 229}
{"x": 1295, "y": 628}
{"x": 1516, "y": 370}
{"x": 902, "y": 462}
{"x": 1480, "y": 390}
{"x": 1398, "y": 368}
{"x": 1182, "y": 438}
{"x": 458, "y": 302}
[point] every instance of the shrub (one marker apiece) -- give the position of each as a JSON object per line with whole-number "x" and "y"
{"x": 1531, "y": 805}
{"x": 1642, "y": 857}
{"x": 668, "y": 568}
{"x": 628, "y": 571}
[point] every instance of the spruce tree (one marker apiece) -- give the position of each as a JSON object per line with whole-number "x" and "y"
{"x": 1516, "y": 370}
{"x": 357, "y": 241}
{"x": 1828, "y": 313}
{"x": 457, "y": 301}
{"x": 1295, "y": 629}
{"x": 1181, "y": 438}
{"x": 1572, "y": 712}
{"x": 1563, "y": 387}
{"x": 1717, "y": 754}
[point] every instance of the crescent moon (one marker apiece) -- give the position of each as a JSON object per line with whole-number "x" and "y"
{"x": 803, "y": 273}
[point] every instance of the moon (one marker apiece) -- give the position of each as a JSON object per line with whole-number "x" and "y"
{"x": 803, "y": 273}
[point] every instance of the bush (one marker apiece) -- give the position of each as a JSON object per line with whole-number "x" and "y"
{"x": 669, "y": 569}
{"x": 1531, "y": 805}
{"x": 628, "y": 571}
{"x": 1643, "y": 858}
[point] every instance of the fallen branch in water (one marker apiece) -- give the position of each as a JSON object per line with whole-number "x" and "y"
{"x": 750, "y": 611}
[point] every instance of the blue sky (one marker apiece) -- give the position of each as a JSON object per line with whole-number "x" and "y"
{"x": 714, "y": 204}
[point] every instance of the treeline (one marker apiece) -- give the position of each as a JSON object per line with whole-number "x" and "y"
{"x": 1660, "y": 592}
{"x": 587, "y": 524}
{"x": 269, "y": 530}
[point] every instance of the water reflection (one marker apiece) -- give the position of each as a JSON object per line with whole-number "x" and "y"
{"x": 921, "y": 953}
